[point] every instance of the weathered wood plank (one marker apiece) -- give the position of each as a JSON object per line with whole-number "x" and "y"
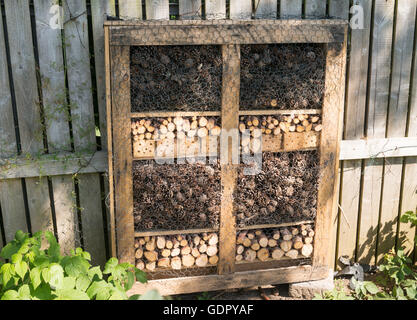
{"x": 81, "y": 101}
{"x": 240, "y": 9}
{"x": 315, "y": 9}
{"x": 397, "y": 120}
{"x": 129, "y": 9}
{"x": 377, "y": 115}
{"x": 92, "y": 219}
{"x": 157, "y": 9}
{"x": 99, "y": 10}
{"x": 266, "y": 9}
{"x": 22, "y": 59}
{"x": 378, "y": 148}
{"x": 354, "y": 129}
{"x": 339, "y": 9}
{"x": 215, "y": 9}
{"x": 329, "y": 149}
{"x": 11, "y": 195}
{"x": 190, "y": 9}
{"x": 122, "y": 152}
{"x": 230, "y": 122}
{"x": 231, "y": 281}
{"x": 290, "y": 9}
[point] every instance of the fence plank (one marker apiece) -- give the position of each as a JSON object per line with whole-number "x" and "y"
{"x": 354, "y": 129}
{"x": 157, "y": 9}
{"x": 290, "y": 9}
{"x": 377, "y": 114}
{"x": 397, "y": 120}
{"x": 82, "y": 112}
{"x": 266, "y": 9}
{"x": 28, "y": 110}
{"x": 339, "y": 9}
{"x": 190, "y": 9}
{"x": 215, "y": 9}
{"x": 129, "y": 9}
{"x": 315, "y": 9}
{"x": 240, "y": 9}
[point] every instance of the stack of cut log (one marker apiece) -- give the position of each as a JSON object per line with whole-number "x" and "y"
{"x": 167, "y": 130}
{"x": 275, "y": 244}
{"x": 177, "y": 251}
{"x": 259, "y": 126}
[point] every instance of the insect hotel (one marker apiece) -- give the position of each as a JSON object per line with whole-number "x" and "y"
{"x": 215, "y": 220}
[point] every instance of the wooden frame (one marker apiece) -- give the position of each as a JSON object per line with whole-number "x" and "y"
{"x": 120, "y": 35}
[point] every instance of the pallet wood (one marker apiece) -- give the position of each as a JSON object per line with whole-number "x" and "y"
{"x": 122, "y": 161}
{"x": 329, "y": 148}
{"x": 171, "y": 232}
{"x": 190, "y": 9}
{"x": 230, "y": 121}
{"x": 205, "y": 32}
{"x": 232, "y": 281}
{"x": 215, "y": 9}
{"x": 339, "y": 9}
{"x": 377, "y": 115}
{"x": 266, "y": 9}
{"x": 354, "y": 129}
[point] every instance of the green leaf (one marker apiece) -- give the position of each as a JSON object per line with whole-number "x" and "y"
{"x": 46, "y": 275}
{"x": 54, "y": 249}
{"x": 75, "y": 266}
{"x": 35, "y": 277}
{"x": 21, "y": 269}
{"x": 130, "y": 280}
{"x": 24, "y": 292}
{"x": 71, "y": 294}
{"x": 21, "y": 236}
{"x": 68, "y": 283}
{"x": 9, "y": 250}
{"x": 57, "y": 275}
{"x": 10, "y": 295}
{"x": 17, "y": 257}
{"x": 151, "y": 295}
{"x": 82, "y": 283}
{"x": 110, "y": 265}
{"x": 99, "y": 290}
{"x": 43, "y": 292}
{"x": 141, "y": 276}
{"x": 7, "y": 271}
{"x": 137, "y": 296}
{"x": 371, "y": 287}
{"x": 95, "y": 273}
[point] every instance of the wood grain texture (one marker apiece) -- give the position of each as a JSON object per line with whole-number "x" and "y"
{"x": 240, "y": 9}
{"x": 230, "y": 122}
{"x": 190, "y": 9}
{"x": 157, "y": 9}
{"x": 129, "y": 9}
{"x": 290, "y": 9}
{"x": 377, "y": 114}
{"x": 81, "y": 99}
{"x": 354, "y": 129}
{"x": 397, "y": 118}
{"x": 266, "y": 9}
{"x": 122, "y": 152}
{"x": 231, "y": 281}
{"x": 215, "y": 9}
{"x": 333, "y": 106}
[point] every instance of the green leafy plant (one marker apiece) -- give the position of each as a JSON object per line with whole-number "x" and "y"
{"x": 338, "y": 293}
{"x": 34, "y": 273}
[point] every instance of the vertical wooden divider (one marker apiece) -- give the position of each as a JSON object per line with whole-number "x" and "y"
{"x": 230, "y": 122}
{"x": 122, "y": 152}
{"x": 333, "y": 106}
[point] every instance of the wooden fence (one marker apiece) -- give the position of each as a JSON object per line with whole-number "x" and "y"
{"x": 53, "y": 121}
